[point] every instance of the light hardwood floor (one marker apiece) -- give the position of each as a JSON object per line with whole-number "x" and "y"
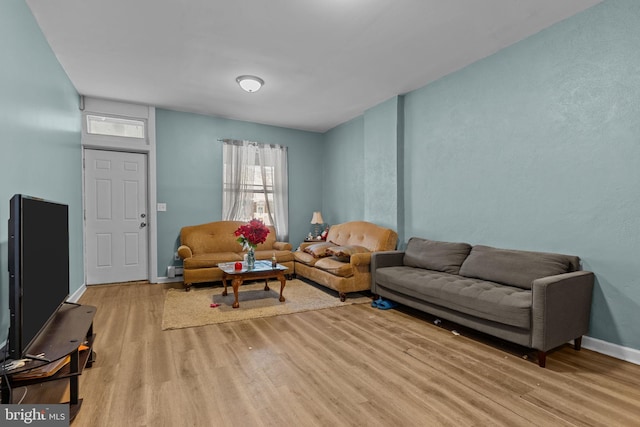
{"x": 346, "y": 366}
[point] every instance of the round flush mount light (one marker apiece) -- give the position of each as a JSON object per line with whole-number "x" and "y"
{"x": 250, "y": 83}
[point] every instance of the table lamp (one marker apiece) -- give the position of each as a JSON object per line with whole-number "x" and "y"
{"x": 317, "y": 220}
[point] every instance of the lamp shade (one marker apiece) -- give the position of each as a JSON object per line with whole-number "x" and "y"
{"x": 317, "y": 218}
{"x": 250, "y": 83}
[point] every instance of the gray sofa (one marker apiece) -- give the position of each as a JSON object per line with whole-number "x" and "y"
{"x": 535, "y": 299}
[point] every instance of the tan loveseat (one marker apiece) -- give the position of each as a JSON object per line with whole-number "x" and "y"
{"x": 204, "y": 246}
{"x": 346, "y": 273}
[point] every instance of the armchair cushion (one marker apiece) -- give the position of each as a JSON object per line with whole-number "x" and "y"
{"x": 211, "y": 260}
{"x": 282, "y": 246}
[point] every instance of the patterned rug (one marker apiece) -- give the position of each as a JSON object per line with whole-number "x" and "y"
{"x": 188, "y": 309}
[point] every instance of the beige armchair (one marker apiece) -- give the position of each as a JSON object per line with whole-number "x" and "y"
{"x": 204, "y": 246}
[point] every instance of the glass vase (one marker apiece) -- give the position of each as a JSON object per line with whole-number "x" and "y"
{"x": 251, "y": 258}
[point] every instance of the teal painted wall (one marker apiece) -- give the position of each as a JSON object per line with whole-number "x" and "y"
{"x": 382, "y": 165}
{"x": 40, "y": 137}
{"x": 343, "y": 173}
{"x": 537, "y": 147}
{"x": 189, "y": 173}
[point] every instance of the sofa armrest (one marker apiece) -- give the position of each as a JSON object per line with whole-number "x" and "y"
{"x": 561, "y": 308}
{"x": 361, "y": 258}
{"x": 304, "y": 245}
{"x": 383, "y": 259}
{"x": 282, "y": 246}
{"x": 386, "y": 259}
{"x": 184, "y": 252}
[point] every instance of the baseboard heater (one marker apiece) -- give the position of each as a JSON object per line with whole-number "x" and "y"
{"x": 174, "y": 271}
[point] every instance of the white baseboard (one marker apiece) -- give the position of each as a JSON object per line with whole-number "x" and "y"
{"x": 614, "y": 350}
{"x": 74, "y": 297}
{"x": 169, "y": 279}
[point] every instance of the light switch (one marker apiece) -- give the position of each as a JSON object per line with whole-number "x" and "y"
{"x": 162, "y": 207}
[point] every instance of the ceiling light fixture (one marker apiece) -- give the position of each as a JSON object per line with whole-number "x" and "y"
{"x": 250, "y": 83}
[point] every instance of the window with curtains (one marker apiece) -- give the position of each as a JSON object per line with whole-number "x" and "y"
{"x": 255, "y": 184}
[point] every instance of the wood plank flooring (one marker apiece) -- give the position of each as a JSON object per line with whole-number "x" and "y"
{"x": 346, "y": 366}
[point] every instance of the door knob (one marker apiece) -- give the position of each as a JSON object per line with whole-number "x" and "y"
{"x": 143, "y": 224}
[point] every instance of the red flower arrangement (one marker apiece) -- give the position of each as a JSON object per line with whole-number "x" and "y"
{"x": 252, "y": 234}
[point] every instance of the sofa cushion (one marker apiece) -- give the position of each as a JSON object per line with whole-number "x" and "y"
{"x": 319, "y": 250}
{"x": 334, "y": 266}
{"x": 343, "y": 253}
{"x": 305, "y": 258}
{"x": 211, "y": 260}
{"x": 487, "y": 300}
{"x": 433, "y": 255}
{"x": 513, "y": 267}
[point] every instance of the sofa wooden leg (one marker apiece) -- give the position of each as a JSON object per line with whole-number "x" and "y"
{"x": 343, "y": 296}
{"x": 542, "y": 358}
{"x": 187, "y": 287}
{"x": 577, "y": 343}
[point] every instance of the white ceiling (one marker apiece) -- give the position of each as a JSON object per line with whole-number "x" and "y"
{"x": 324, "y": 61}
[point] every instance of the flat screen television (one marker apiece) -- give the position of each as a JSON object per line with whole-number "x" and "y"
{"x": 38, "y": 268}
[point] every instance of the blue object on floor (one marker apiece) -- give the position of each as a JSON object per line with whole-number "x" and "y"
{"x": 375, "y": 303}
{"x": 386, "y": 305}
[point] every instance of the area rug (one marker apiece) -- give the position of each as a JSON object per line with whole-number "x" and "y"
{"x": 188, "y": 309}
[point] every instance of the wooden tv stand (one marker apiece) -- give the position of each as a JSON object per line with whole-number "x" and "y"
{"x": 71, "y": 327}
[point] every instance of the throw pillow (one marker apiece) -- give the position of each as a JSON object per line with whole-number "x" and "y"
{"x": 343, "y": 253}
{"x": 319, "y": 250}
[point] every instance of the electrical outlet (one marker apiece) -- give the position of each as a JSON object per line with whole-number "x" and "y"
{"x": 176, "y": 257}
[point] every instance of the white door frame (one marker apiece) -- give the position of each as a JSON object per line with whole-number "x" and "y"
{"x": 146, "y": 146}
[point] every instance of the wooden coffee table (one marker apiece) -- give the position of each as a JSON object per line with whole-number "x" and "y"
{"x": 262, "y": 270}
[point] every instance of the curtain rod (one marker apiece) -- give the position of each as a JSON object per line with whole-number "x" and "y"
{"x": 240, "y": 141}
{"x": 237, "y": 141}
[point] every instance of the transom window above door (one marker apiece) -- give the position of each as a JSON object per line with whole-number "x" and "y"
{"x": 115, "y": 126}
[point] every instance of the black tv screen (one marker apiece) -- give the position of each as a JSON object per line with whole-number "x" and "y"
{"x": 38, "y": 267}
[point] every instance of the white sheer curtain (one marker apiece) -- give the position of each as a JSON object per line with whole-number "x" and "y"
{"x": 256, "y": 184}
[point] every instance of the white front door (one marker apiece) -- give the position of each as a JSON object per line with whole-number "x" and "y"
{"x": 115, "y": 216}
